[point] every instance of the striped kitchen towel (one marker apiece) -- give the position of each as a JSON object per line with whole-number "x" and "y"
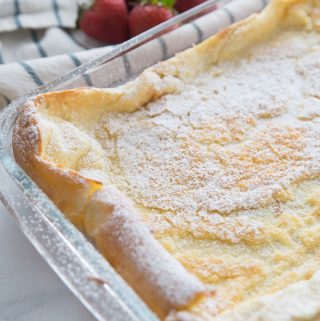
{"x": 17, "y": 14}
{"x": 39, "y": 42}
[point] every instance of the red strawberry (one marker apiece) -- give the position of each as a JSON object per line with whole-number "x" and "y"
{"x": 107, "y": 21}
{"x": 144, "y": 17}
{"x": 184, "y": 5}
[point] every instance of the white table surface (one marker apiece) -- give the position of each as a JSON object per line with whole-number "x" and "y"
{"x": 29, "y": 289}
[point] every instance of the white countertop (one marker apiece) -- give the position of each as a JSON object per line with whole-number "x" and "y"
{"x": 29, "y": 289}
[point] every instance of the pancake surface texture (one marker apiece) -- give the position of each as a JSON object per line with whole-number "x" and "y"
{"x": 224, "y": 170}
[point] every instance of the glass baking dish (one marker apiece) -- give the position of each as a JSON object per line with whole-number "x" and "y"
{"x": 68, "y": 251}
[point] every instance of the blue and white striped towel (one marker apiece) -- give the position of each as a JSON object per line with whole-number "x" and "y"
{"x": 38, "y": 40}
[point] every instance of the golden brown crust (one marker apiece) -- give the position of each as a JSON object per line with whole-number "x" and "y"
{"x": 130, "y": 247}
{"x": 66, "y": 188}
{"x": 108, "y": 218}
{"x": 89, "y": 204}
{"x": 232, "y": 40}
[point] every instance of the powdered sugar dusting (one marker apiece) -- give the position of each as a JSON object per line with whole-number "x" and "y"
{"x": 230, "y": 141}
{"x": 134, "y": 246}
{"x": 28, "y": 124}
{"x": 214, "y": 169}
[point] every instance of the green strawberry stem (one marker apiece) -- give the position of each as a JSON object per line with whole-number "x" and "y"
{"x": 163, "y": 3}
{"x": 82, "y": 8}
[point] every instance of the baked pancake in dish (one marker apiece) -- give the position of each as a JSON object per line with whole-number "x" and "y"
{"x": 199, "y": 181}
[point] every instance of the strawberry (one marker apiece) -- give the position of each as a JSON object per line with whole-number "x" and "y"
{"x": 107, "y": 21}
{"x": 184, "y": 5}
{"x": 144, "y": 17}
